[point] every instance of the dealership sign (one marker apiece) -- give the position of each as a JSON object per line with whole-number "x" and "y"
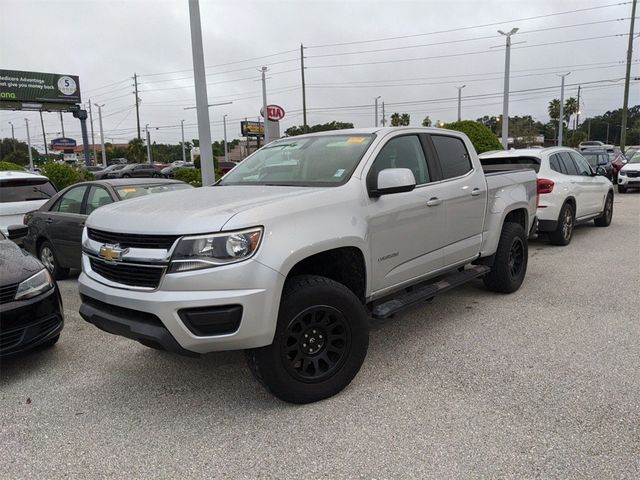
{"x": 37, "y": 87}
{"x": 275, "y": 112}
{"x": 252, "y": 129}
{"x": 63, "y": 143}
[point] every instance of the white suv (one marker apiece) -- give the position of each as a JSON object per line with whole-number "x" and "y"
{"x": 21, "y": 192}
{"x": 569, "y": 190}
{"x": 629, "y": 174}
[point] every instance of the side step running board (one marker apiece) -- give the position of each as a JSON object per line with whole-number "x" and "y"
{"x": 423, "y": 292}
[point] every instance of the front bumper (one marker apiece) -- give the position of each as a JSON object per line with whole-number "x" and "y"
{"x": 631, "y": 182}
{"x": 25, "y": 324}
{"x": 154, "y": 317}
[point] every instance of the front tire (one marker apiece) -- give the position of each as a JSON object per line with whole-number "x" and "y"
{"x": 564, "y": 231}
{"x": 48, "y": 258}
{"x": 510, "y": 263}
{"x": 607, "y": 214}
{"x": 321, "y": 340}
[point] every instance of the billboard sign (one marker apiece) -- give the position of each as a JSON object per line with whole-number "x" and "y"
{"x": 63, "y": 143}
{"x": 251, "y": 129}
{"x": 36, "y": 87}
{"x": 275, "y": 112}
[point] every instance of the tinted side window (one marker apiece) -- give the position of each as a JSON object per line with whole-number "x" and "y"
{"x": 453, "y": 155}
{"x": 569, "y": 166}
{"x": 581, "y": 164}
{"x": 402, "y": 152}
{"x": 97, "y": 198}
{"x": 556, "y": 165}
{"x": 70, "y": 202}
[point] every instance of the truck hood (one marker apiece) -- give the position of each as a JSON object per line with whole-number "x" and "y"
{"x": 634, "y": 167}
{"x": 197, "y": 210}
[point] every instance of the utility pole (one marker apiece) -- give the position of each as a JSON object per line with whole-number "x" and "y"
{"x": 26, "y": 121}
{"x": 265, "y": 114}
{"x": 202, "y": 107}
{"x": 304, "y": 91}
{"x": 577, "y": 124}
{"x": 44, "y": 137}
{"x": 625, "y": 105}
{"x": 184, "y": 153}
{"x": 376, "y": 110}
{"x": 135, "y": 84}
{"x": 146, "y": 129}
{"x": 505, "y": 101}
{"x": 104, "y": 154}
{"x": 561, "y": 119}
{"x": 460, "y": 102}
{"x": 13, "y": 137}
{"x": 607, "y": 140}
{"x": 224, "y": 123}
{"x": 93, "y": 138}
{"x": 62, "y": 124}
{"x": 384, "y": 118}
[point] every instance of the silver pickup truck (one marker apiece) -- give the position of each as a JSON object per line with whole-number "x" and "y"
{"x": 290, "y": 253}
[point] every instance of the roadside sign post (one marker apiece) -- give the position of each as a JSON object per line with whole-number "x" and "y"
{"x": 26, "y": 121}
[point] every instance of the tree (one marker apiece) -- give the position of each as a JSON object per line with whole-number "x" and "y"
{"x": 426, "y": 122}
{"x": 481, "y": 137}
{"x": 136, "y": 151}
{"x": 400, "y": 120}
{"x": 554, "y": 109}
{"x": 321, "y": 127}
{"x": 490, "y": 122}
{"x": 21, "y": 155}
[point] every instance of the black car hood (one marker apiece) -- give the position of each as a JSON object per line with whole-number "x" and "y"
{"x": 16, "y": 265}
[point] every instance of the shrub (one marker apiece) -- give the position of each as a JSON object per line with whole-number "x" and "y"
{"x": 10, "y": 166}
{"x": 481, "y": 137}
{"x": 63, "y": 175}
{"x": 191, "y": 176}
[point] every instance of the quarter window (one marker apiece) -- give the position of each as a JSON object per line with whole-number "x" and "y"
{"x": 402, "y": 152}
{"x": 556, "y": 165}
{"x": 453, "y": 155}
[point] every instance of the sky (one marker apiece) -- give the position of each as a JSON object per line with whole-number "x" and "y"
{"x": 412, "y": 54}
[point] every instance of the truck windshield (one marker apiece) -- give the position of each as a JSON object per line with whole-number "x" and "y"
{"x": 322, "y": 161}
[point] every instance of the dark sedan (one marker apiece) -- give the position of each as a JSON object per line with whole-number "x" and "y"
{"x": 104, "y": 173}
{"x": 135, "y": 170}
{"x": 55, "y": 229}
{"x": 170, "y": 171}
{"x": 30, "y": 304}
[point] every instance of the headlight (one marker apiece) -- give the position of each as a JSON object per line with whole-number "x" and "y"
{"x": 623, "y": 173}
{"x": 205, "y": 251}
{"x": 35, "y": 285}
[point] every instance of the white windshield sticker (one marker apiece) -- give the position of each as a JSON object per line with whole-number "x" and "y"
{"x": 339, "y": 172}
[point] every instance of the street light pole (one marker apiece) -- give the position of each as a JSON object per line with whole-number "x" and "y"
{"x": 224, "y": 123}
{"x": 146, "y": 129}
{"x": 561, "y": 119}
{"x": 384, "y": 119}
{"x": 62, "y": 124}
{"x": 505, "y": 100}
{"x": 265, "y": 114}
{"x": 93, "y": 138}
{"x": 13, "y": 137}
{"x": 184, "y": 154}
{"x": 104, "y": 154}
{"x": 26, "y": 121}
{"x": 460, "y": 102}
{"x": 376, "y": 112}
{"x": 625, "y": 101}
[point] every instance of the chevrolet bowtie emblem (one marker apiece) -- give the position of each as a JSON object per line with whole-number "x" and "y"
{"x": 112, "y": 253}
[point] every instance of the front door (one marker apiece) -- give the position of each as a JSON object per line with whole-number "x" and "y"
{"x": 65, "y": 222}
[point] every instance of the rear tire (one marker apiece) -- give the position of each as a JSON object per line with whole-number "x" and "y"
{"x": 607, "y": 214}
{"x": 126, "y": 175}
{"x": 510, "y": 263}
{"x": 564, "y": 231}
{"x": 622, "y": 189}
{"x": 320, "y": 343}
{"x": 47, "y": 256}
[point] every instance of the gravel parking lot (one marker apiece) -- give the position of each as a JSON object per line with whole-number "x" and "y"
{"x": 542, "y": 383}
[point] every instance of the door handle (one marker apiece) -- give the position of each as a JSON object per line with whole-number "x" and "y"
{"x": 475, "y": 192}
{"x": 433, "y": 202}
{"x": 49, "y": 220}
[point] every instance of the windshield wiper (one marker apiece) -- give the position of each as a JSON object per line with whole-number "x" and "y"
{"x": 36, "y": 189}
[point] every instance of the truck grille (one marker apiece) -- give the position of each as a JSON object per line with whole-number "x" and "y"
{"x": 128, "y": 274}
{"x": 8, "y": 292}
{"x": 126, "y": 240}
{"x": 633, "y": 174}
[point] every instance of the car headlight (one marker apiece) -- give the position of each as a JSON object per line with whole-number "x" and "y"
{"x": 35, "y": 285}
{"x": 206, "y": 251}
{"x": 623, "y": 173}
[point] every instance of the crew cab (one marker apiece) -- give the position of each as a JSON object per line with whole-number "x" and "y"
{"x": 570, "y": 190}
{"x": 289, "y": 254}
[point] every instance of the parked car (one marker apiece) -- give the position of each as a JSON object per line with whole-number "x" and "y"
{"x": 170, "y": 171}
{"x": 55, "y": 229}
{"x": 226, "y": 167}
{"x": 93, "y": 168}
{"x": 570, "y": 190}
{"x": 106, "y": 171}
{"x": 599, "y": 158}
{"x": 31, "y": 312}
{"x": 118, "y": 161}
{"x": 590, "y": 144}
{"x": 629, "y": 175}
{"x": 135, "y": 170}
{"x": 631, "y": 151}
{"x": 289, "y": 254}
{"x": 21, "y": 192}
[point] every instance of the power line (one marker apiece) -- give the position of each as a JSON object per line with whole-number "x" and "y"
{"x": 459, "y": 29}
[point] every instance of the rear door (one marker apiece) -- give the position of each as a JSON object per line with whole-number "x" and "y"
{"x": 64, "y": 224}
{"x": 591, "y": 186}
{"x": 576, "y": 188}
{"x": 464, "y": 195}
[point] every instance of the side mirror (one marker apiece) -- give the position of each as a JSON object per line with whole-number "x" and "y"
{"x": 601, "y": 171}
{"x": 393, "y": 180}
{"x": 16, "y": 232}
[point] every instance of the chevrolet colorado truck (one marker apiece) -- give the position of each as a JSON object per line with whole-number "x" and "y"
{"x": 290, "y": 253}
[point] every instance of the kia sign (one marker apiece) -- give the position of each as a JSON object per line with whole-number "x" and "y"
{"x": 63, "y": 143}
{"x": 275, "y": 112}
{"x": 35, "y": 87}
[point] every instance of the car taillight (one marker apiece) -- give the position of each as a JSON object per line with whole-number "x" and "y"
{"x": 544, "y": 186}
